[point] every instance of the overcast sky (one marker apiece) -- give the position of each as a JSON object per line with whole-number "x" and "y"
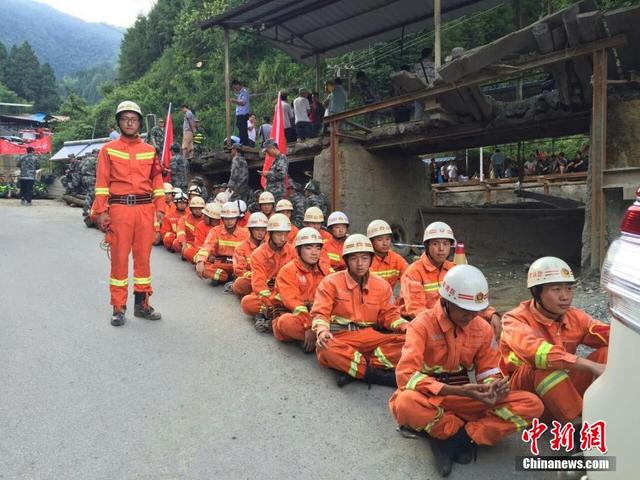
{"x": 121, "y": 13}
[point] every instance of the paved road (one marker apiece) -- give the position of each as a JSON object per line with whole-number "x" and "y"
{"x": 198, "y": 395}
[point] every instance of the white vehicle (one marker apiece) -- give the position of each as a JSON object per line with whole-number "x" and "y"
{"x": 615, "y": 396}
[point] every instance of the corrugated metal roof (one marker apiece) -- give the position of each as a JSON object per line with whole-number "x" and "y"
{"x": 305, "y": 28}
{"x": 82, "y": 147}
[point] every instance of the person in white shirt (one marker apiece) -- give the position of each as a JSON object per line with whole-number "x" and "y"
{"x": 288, "y": 119}
{"x": 252, "y": 130}
{"x": 301, "y": 109}
{"x": 452, "y": 172}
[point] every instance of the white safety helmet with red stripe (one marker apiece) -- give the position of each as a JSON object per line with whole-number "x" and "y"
{"x": 279, "y": 222}
{"x": 257, "y": 220}
{"x": 377, "y": 228}
{"x": 308, "y": 236}
{"x": 313, "y": 215}
{"x": 230, "y": 210}
{"x": 266, "y": 197}
{"x": 337, "y": 218}
{"x": 223, "y": 197}
{"x": 168, "y": 188}
{"x": 357, "y": 243}
{"x": 438, "y": 230}
{"x": 284, "y": 205}
{"x": 466, "y": 287}
{"x": 549, "y": 270}
{"x": 196, "y": 202}
{"x": 212, "y": 210}
{"x": 181, "y": 197}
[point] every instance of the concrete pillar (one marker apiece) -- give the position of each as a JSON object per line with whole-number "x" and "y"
{"x": 377, "y": 185}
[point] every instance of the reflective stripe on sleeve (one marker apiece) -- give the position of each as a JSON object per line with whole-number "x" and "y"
{"x": 487, "y": 373}
{"x": 414, "y": 380}
{"x": 431, "y": 287}
{"x": 541, "y": 355}
{"x": 300, "y": 309}
{"x": 397, "y": 322}
{"x": 102, "y": 191}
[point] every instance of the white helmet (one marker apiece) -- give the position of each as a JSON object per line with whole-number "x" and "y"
{"x": 168, "y": 188}
{"x": 223, "y": 197}
{"x": 196, "y": 202}
{"x": 283, "y": 205}
{"x": 181, "y": 197}
{"x": 257, "y": 220}
{"x": 266, "y": 197}
{"x": 279, "y": 223}
{"x": 377, "y": 228}
{"x": 242, "y": 206}
{"x": 337, "y": 218}
{"x": 438, "y": 230}
{"x": 128, "y": 106}
{"x": 466, "y": 287}
{"x": 313, "y": 215}
{"x": 308, "y": 236}
{"x": 230, "y": 210}
{"x": 356, "y": 243}
{"x": 549, "y": 270}
{"x": 212, "y": 210}
{"x": 194, "y": 189}
{"x": 177, "y": 190}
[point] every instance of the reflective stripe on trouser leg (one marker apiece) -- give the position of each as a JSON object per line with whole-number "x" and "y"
{"x": 142, "y": 245}
{"x": 218, "y": 271}
{"x": 122, "y": 235}
{"x": 343, "y": 354}
{"x": 423, "y": 413}
{"x": 251, "y": 304}
{"x": 168, "y": 240}
{"x": 561, "y": 399}
{"x": 288, "y": 327}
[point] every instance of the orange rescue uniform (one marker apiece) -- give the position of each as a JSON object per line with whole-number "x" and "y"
{"x": 265, "y": 265}
{"x": 333, "y": 248}
{"x": 186, "y": 231}
{"x": 295, "y": 289}
{"x": 350, "y": 313}
{"x": 168, "y": 210}
{"x": 390, "y": 267}
{"x": 217, "y": 251}
{"x": 436, "y": 350}
{"x": 170, "y": 227}
{"x": 129, "y": 167}
{"x": 291, "y": 238}
{"x": 202, "y": 230}
{"x": 536, "y": 350}
{"x": 242, "y": 266}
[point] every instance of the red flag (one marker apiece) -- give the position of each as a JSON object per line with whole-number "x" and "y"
{"x": 168, "y": 141}
{"x": 277, "y": 134}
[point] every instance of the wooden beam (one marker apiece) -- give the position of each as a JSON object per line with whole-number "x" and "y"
{"x": 480, "y": 78}
{"x": 334, "y": 165}
{"x": 227, "y": 86}
{"x": 598, "y": 158}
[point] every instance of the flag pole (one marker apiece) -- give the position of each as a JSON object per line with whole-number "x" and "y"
{"x": 166, "y": 130}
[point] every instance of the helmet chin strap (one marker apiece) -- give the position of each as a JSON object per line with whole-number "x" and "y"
{"x": 538, "y": 301}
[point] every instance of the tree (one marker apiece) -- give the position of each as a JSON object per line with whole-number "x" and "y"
{"x": 46, "y": 97}
{"x": 4, "y": 58}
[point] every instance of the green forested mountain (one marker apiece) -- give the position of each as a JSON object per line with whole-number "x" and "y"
{"x": 161, "y": 56}
{"x": 67, "y": 43}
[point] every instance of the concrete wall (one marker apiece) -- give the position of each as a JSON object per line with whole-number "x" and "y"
{"x": 377, "y": 185}
{"x": 575, "y": 192}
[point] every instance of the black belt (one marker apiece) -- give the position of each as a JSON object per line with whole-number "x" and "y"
{"x": 130, "y": 200}
{"x": 457, "y": 378}
{"x": 349, "y": 327}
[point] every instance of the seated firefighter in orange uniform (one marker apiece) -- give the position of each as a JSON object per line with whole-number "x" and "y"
{"x": 266, "y": 262}
{"x": 257, "y": 226}
{"x": 285, "y": 207}
{"x": 313, "y": 217}
{"x": 420, "y": 283}
{"x": 338, "y": 226}
{"x": 169, "y": 209}
{"x": 540, "y": 337}
{"x": 186, "y": 232}
{"x": 169, "y": 227}
{"x": 295, "y": 288}
{"x": 210, "y": 219}
{"x": 435, "y": 394}
{"x": 387, "y": 264}
{"x": 347, "y": 307}
{"x": 267, "y": 203}
{"x": 214, "y": 260}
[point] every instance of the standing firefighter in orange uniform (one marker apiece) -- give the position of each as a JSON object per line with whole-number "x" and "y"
{"x": 266, "y": 262}
{"x": 168, "y": 210}
{"x": 129, "y": 199}
{"x": 210, "y": 219}
{"x": 285, "y": 207}
{"x": 387, "y": 264}
{"x": 347, "y": 307}
{"x": 186, "y": 233}
{"x": 296, "y": 286}
{"x": 214, "y": 261}
{"x": 540, "y": 337}
{"x": 338, "y": 226}
{"x": 420, "y": 283}
{"x": 169, "y": 227}
{"x": 435, "y": 394}
{"x": 257, "y": 227}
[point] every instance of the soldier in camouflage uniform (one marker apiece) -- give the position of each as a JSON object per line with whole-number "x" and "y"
{"x": 179, "y": 168}
{"x": 156, "y": 137}
{"x": 313, "y": 197}
{"x": 239, "y": 176}
{"x": 28, "y": 165}
{"x": 88, "y": 172}
{"x": 254, "y": 206}
{"x": 297, "y": 199}
{"x": 278, "y": 172}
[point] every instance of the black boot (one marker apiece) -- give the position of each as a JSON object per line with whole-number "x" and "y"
{"x": 380, "y": 377}
{"x": 117, "y": 318}
{"x": 142, "y": 309}
{"x": 343, "y": 379}
{"x": 444, "y": 462}
{"x": 262, "y": 324}
{"x": 460, "y": 447}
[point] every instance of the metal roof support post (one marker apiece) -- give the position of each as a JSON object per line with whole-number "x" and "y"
{"x": 318, "y": 75}
{"x": 227, "y": 86}
{"x": 334, "y": 165}
{"x": 597, "y": 158}
{"x": 437, "y": 17}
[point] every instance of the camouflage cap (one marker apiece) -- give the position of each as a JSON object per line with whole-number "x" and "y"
{"x": 295, "y": 185}
{"x": 268, "y": 144}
